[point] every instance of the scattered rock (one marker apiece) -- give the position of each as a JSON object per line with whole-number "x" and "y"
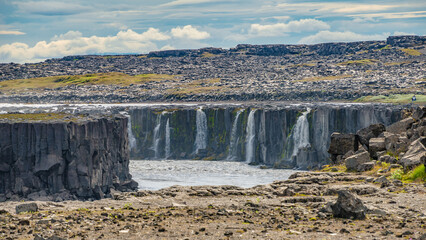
{"x": 400, "y": 126}
{"x": 353, "y": 162}
{"x": 415, "y": 155}
{"x": 366, "y": 166}
{"x": 372, "y": 131}
{"x": 28, "y": 207}
{"x": 348, "y": 206}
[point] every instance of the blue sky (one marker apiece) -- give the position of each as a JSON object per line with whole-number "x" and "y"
{"x": 32, "y": 31}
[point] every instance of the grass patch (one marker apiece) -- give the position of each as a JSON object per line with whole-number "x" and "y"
{"x": 417, "y": 174}
{"x": 358, "y": 62}
{"x": 387, "y": 47}
{"x": 411, "y": 52}
{"x": 25, "y": 117}
{"x": 324, "y": 78}
{"x": 113, "y": 78}
{"x": 395, "y": 98}
{"x": 303, "y": 65}
{"x": 208, "y": 55}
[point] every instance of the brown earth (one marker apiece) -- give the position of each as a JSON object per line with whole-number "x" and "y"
{"x": 291, "y": 209}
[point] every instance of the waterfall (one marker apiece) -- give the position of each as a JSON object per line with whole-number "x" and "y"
{"x": 201, "y": 137}
{"x": 156, "y": 137}
{"x": 301, "y": 133}
{"x": 132, "y": 139}
{"x": 167, "y": 147}
{"x": 232, "y": 154}
{"x": 250, "y": 136}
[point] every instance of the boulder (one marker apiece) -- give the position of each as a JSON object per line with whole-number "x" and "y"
{"x": 372, "y": 131}
{"x": 400, "y": 126}
{"x": 376, "y": 145}
{"x": 27, "y": 207}
{"x": 415, "y": 155}
{"x": 366, "y": 166}
{"x": 340, "y": 143}
{"x": 419, "y": 113}
{"x": 354, "y": 161}
{"x": 348, "y": 206}
{"x": 387, "y": 159}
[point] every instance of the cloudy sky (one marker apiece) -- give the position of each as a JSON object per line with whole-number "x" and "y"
{"x": 32, "y": 31}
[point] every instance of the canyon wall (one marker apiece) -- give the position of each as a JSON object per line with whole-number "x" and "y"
{"x": 75, "y": 157}
{"x": 292, "y": 136}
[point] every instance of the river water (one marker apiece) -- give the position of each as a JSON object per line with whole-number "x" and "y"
{"x": 157, "y": 174}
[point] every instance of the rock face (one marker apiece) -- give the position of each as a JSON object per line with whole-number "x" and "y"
{"x": 282, "y": 136}
{"x": 82, "y": 158}
{"x": 415, "y": 155}
{"x": 348, "y": 206}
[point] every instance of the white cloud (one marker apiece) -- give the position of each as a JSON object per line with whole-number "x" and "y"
{"x": 279, "y": 29}
{"x": 394, "y": 15}
{"x": 186, "y": 2}
{"x": 327, "y": 36}
{"x": 168, "y": 47}
{"x": 11, "y": 32}
{"x": 189, "y": 32}
{"x": 334, "y": 7}
{"x": 51, "y": 8}
{"x": 73, "y": 43}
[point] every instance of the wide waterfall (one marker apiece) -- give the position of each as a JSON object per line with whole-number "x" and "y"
{"x": 156, "y": 139}
{"x": 251, "y": 134}
{"x": 301, "y": 133}
{"x": 232, "y": 154}
{"x": 167, "y": 146}
{"x": 201, "y": 137}
{"x": 281, "y": 136}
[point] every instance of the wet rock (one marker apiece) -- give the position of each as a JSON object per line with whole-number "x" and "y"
{"x": 354, "y": 162}
{"x": 28, "y": 207}
{"x": 348, "y": 206}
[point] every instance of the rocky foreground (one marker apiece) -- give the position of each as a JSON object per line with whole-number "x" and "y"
{"x": 306, "y": 206}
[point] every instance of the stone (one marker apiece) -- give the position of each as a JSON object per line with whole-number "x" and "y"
{"x": 366, "y": 166}
{"x": 381, "y": 180}
{"x": 27, "y": 207}
{"x": 348, "y": 206}
{"x": 353, "y": 162}
{"x": 415, "y": 155}
{"x": 419, "y": 113}
{"x": 400, "y": 126}
{"x": 387, "y": 159}
{"x": 372, "y": 131}
{"x": 340, "y": 143}
{"x": 376, "y": 145}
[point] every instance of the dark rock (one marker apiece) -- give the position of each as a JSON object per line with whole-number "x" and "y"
{"x": 354, "y": 162}
{"x": 400, "y": 126}
{"x": 27, "y": 207}
{"x": 365, "y": 167}
{"x": 340, "y": 143}
{"x": 381, "y": 180}
{"x": 376, "y": 145}
{"x": 415, "y": 155}
{"x": 372, "y": 131}
{"x": 348, "y": 206}
{"x": 419, "y": 113}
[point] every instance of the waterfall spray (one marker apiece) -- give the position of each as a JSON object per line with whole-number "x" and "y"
{"x": 132, "y": 139}
{"x": 250, "y": 136}
{"x": 301, "y": 133}
{"x": 201, "y": 137}
{"x": 232, "y": 154}
{"x": 156, "y": 137}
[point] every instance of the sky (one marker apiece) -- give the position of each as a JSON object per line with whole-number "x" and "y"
{"x": 32, "y": 31}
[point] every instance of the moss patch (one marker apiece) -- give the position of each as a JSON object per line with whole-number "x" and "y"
{"x": 411, "y": 52}
{"x": 358, "y": 62}
{"x": 21, "y": 117}
{"x": 395, "y": 98}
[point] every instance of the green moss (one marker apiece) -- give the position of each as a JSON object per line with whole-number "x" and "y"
{"x": 393, "y": 98}
{"x": 359, "y": 62}
{"x": 24, "y": 117}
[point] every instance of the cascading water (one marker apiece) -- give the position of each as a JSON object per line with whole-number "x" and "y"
{"x": 232, "y": 154}
{"x": 301, "y": 133}
{"x": 132, "y": 139}
{"x": 251, "y": 134}
{"x": 167, "y": 146}
{"x": 156, "y": 138}
{"x": 201, "y": 137}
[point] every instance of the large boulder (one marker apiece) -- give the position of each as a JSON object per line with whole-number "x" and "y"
{"x": 415, "y": 155}
{"x": 354, "y": 162}
{"x": 348, "y": 206}
{"x": 400, "y": 126}
{"x": 419, "y": 113}
{"x": 376, "y": 145}
{"x": 341, "y": 143}
{"x": 372, "y": 131}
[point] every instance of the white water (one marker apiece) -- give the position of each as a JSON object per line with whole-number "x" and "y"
{"x": 132, "y": 139}
{"x": 157, "y": 174}
{"x": 301, "y": 133}
{"x": 201, "y": 137}
{"x": 167, "y": 147}
{"x": 156, "y": 138}
{"x": 232, "y": 154}
{"x": 251, "y": 134}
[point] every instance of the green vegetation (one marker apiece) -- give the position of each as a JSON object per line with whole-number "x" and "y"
{"x": 25, "y": 117}
{"x": 417, "y": 174}
{"x": 303, "y": 65}
{"x": 358, "y": 62}
{"x": 323, "y": 78}
{"x": 386, "y": 47}
{"x": 113, "y": 78}
{"x": 394, "y": 98}
{"x": 208, "y": 55}
{"x": 411, "y": 52}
